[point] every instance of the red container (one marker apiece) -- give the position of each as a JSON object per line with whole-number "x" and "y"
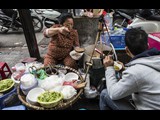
{"x": 154, "y": 40}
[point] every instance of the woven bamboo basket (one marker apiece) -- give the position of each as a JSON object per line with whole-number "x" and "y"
{"x": 63, "y": 104}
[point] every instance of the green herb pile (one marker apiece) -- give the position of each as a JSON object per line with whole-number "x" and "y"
{"x": 5, "y": 84}
{"x": 49, "y": 96}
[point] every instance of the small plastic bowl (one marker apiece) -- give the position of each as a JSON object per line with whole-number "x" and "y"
{"x": 17, "y": 75}
{"x": 71, "y": 76}
{"x": 33, "y": 94}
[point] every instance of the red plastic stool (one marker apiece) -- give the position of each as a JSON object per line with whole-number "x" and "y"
{"x": 4, "y": 70}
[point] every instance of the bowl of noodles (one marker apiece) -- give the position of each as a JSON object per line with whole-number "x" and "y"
{"x": 117, "y": 66}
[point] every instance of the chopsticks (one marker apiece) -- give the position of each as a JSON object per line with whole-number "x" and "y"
{"x": 103, "y": 55}
{"x": 109, "y": 52}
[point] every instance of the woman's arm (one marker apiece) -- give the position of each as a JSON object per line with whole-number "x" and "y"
{"x": 49, "y": 32}
{"x": 76, "y": 42}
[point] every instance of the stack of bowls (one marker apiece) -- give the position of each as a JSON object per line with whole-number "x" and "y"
{"x": 28, "y": 82}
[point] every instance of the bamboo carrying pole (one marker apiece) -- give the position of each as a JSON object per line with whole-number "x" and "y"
{"x": 101, "y": 25}
{"x": 100, "y": 29}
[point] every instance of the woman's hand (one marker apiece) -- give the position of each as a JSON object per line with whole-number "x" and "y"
{"x": 108, "y": 61}
{"x": 64, "y": 30}
{"x": 49, "y": 32}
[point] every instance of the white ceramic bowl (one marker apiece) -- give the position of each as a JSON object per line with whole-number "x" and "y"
{"x": 71, "y": 76}
{"x": 75, "y": 55}
{"x": 33, "y": 94}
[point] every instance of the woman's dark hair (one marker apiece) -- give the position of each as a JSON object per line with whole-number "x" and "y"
{"x": 64, "y": 17}
{"x": 136, "y": 40}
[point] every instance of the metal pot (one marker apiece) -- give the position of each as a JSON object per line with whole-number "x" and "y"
{"x": 96, "y": 60}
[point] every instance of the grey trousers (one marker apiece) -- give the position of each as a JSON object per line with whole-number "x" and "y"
{"x": 106, "y": 103}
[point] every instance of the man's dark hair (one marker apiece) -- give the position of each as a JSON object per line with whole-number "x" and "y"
{"x": 136, "y": 40}
{"x": 64, "y": 17}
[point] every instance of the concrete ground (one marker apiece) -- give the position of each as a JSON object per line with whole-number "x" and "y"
{"x": 13, "y": 47}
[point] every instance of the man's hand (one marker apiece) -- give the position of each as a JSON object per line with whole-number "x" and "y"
{"x": 108, "y": 61}
{"x": 123, "y": 68}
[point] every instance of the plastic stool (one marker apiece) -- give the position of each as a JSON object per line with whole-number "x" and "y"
{"x": 4, "y": 70}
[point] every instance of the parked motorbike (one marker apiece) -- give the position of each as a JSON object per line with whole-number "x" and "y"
{"x": 148, "y": 20}
{"x": 40, "y": 11}
{"x": 5, "y": 22}
{"x": 123, "y": 17}
{"x": 50, "y": 17}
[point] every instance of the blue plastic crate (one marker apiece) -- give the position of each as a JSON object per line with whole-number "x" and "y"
{"x": 6, "y": 96}
{"x": 118, "y": 41}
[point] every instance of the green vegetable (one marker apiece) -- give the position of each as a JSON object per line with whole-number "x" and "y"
{"x": 5, "y": 84}
{"x": 49, "y": 96}
{"x": 41, "y": 74}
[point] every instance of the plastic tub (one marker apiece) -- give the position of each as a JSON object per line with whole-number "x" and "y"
{"x": 154, "y": 40}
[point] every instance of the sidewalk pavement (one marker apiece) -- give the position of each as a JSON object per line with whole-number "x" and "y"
{"x": 13, "y": 55}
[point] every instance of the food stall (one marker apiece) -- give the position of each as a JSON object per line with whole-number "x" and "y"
{"x": 39, "y": 74}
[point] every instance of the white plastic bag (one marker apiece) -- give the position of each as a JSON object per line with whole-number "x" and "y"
{"x": 68, "y": 92}
{"x": 51, "y": 82}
